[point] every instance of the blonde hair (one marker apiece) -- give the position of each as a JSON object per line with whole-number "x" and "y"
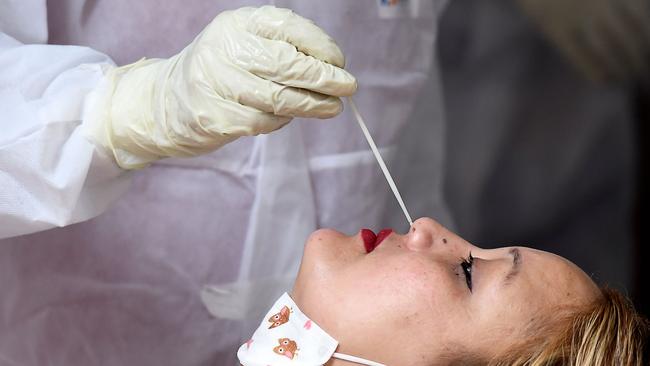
{"x": 607, "y": 332}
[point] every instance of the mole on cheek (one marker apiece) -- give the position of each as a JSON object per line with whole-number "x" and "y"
{"x": 444, "y": 240}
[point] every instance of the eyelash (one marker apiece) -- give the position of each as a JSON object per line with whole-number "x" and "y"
{"x": 466, "y": 265}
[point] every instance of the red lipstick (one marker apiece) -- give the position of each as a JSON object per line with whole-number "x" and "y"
{"x": 372, "y": 241}
{"x": 382, "y": 235}
{"x": 369, "y": 239}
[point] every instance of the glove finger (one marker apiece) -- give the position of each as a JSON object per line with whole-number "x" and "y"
{"x": 285, "y": 25}
{"x": 222, "y": 117}
{"x": 218, "y": 123}
{"x": 243, "y": 120}
{"x": 248, "y": 89}
{"x": 280, "y": 62}
{"x": 291, "y": 102}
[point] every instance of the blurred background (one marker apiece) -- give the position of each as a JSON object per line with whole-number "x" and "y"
{"x": 545, "y": 107}
{"x": 547, "y": 140}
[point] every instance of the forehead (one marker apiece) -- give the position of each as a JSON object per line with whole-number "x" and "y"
{"x": 546, "y": 284}
{"x": 548, "y": 281}
{"x": 559, "y": 272}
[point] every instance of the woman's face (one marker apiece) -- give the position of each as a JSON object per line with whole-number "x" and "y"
{"x": 408, "y": 302}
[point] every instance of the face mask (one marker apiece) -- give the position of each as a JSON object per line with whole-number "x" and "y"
{"x": 287, "y": 337}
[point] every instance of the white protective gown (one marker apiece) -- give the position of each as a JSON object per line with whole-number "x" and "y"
{"x": 122, "y": 288}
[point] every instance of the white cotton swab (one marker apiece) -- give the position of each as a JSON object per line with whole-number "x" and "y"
{"x": 382, "y": 165}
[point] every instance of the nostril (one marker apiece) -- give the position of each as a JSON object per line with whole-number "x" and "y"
{"x": 419, "y": 240}
{"x": 423, "y": 234}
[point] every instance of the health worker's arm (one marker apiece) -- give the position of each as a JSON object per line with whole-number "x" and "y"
{"x": 250, "y": 71}
{"x": 50, "y": 174}
{"x": 71, "y": 119}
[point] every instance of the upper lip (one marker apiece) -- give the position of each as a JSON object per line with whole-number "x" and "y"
{"x": 372, "y": 240}
{"x": 383, "y": 234}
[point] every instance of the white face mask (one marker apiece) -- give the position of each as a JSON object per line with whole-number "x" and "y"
{"x": 287, "y": 337}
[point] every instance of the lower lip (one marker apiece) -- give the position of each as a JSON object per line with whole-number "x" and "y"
{"x": 369, "y": 239}
{"x": 372, "y": 241}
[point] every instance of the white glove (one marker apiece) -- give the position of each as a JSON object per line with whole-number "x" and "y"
{"x": 608, "y": 40}
{"x": 249, "y": 72}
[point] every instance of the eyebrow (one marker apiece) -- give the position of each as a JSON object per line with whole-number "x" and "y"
{"x": 516, "y": 265}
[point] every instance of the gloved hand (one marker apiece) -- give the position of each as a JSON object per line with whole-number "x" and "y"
{"x": 248, "y": 72}
{"x": 608, "y": 40}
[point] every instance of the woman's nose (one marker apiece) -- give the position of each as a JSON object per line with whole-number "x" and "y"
{"x": 423, "y": 234}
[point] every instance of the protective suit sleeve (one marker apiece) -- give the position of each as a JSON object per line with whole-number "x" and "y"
{"x": 50, "y": 174}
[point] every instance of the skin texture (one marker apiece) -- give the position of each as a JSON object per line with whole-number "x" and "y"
{"x": 408, "y": 303}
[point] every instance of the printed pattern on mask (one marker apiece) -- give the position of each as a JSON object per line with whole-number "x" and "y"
{"x": 287, "y": 348}
{"x": 280, "y": 318}
{"x": 286, "y": 337}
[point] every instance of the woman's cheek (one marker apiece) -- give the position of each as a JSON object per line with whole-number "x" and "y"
{"x": 434, "y": 289}
{"x": 413, "y": 295}
{"x": 416, "y": 282}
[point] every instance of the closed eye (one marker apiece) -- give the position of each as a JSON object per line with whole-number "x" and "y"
{"x": 466, "y": 265}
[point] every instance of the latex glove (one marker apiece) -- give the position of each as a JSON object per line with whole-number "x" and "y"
{"x": 608, "y": 40}
{"x": 248, "y": 72}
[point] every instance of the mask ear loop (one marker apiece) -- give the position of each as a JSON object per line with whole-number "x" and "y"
{"x": 358, "y": 360}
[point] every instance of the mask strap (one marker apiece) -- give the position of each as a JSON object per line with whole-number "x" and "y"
{"x": 358, "y": 360}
